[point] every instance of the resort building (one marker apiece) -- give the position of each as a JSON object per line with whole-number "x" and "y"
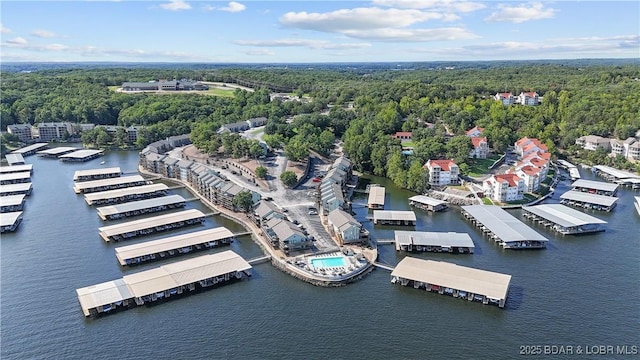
{"x": 234, "y": 127}
{"x": 288, "y": 235}
{"x": 165, "y": 85}
{"x": 403, "y": 135}
{"x": 132, "y": 133}
{"x": 266, "y": 211}
{"x": 443, "y": 172}
{"x": 504, "y": 187}
{"x": 480, "y": 148}
{"x": 506, "y": 98}
{"x": 345, "y": 226}
{"x": 418, "y": 241}
{"x": 592, "y": 142}
{"x": 526, "y": 146}
{"x": 256, "y": 122}
{"x": 474, "y": 132}
{"x": 22, "y": 131}
{"x": 629, "y": 148}
{"x": 53, "y": 131}
{"x": 331, "y": 198}
{"x": 531, "y": 177}
{"x": 530, "y": 98}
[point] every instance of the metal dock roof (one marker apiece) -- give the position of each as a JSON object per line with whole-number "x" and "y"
{"x": 502, "y": 224}
{"x": 81, "y": 154}
{"x": 9, "y": 218}
{"x": 85, "y": 185}
{"x": 397, "y": 215}
{"x": 620, "y": 174}
{"x": 427, "y": 200}
{"x": 139, "y": 205}
{"x": 376, "y": 195}
{"x": 429, "y": 238}
{"x": 589, "y": 198}
{"x": 21, "y": 187}
{"x": 101, "y": 195}
{"x": 15, "y": 176}
{"x": 597, "y": 185}
{"x": 562, "y": 215}
{"x": 14, "y": 159}
{"x": 30, "y": 148}
{"x": 171, "y": 243}
{"x": 130, "y": 226}
{"x": 93, "y": 172}
{"x": 61, "y": 150}
{"x": 12, "y": 200}
{"x": 16, "y": 168}
{"x": 490, "y": 284}
{"x": 105, "y": 293}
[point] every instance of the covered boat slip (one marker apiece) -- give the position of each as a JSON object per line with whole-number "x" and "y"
{"x": 9, "y": 221}
{"x": 503, "y": 228}
{"x": 574, "y": 173}
{"x": 12, "y": 203}
{"x": 376, "y": 197}
{"x": 451, "y": 242}
{"x": 427, "y": 203}
{"x": 131, "y": 229}
{"x": 15, "y": 189}
{"x": 595, "y": 187}
{"x": 173, "y": 246}
{"x": 394, "y": 217}
{"x": 81, "y": 155}
{"x": 450, "y": 279}
{"x": 85, "y": 187}
{"x": 127, "y": 194}
{"x": 97, "y": 174}
{"x": 14, "y": 159}
{"x": 562, "y": 219}
{"x": 141, "y": 207}
{"x": 31, "y": 149}
{"x": 163, "y": 282}
{"x": 16, "y": 168}
{"x": 588, "y": 201}
{"x": 15, "y": 178}
{"x": 57, "y": 151}
{"x": 613, "y": 174}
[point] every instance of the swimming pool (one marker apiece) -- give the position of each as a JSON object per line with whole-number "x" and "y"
{"x": 329, "y": 262}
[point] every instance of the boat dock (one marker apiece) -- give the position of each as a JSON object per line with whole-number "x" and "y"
{"x": 376, "y": 197}
{"x": 81, "y": 155}
{"x": 14, "y": 159}
{"x": 448, "y": 242}
{"x": 15, "y": 189}
{"x": 636, "y": 203}
{"x": 563, "y": 219}
{"x": 118, "y": 196}
{"x": 394, "y": 217}
{"x": 97, "y": 174}
{"x": 10, "y": 221}
{"x": 56, "y": 152}
{"x": 383, "y": 266}
{"x": 16, "y": 168}
{"x": 428, "y": 203}
{"x": 12, "y": 203}
{"x": 595, "y": 187}
{"x": 173, "y": 246}
{"x": 162, "y": 283}
{"x": 504, "y": 228}
{"x": 588, "y": 201}
{"x": 618, "y": 176}
{"x": 141, "y": 207}
{"x": 131, "y": 229}
{"x": 15, "y": 178}
{"x": 85, "y": 187}
{"x": 454, "y": 280}
{"x": 31, "y": 149}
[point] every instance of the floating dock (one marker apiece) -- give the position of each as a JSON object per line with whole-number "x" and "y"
{"x": 454, "y": 280}
{"x": 618, "y": 176}
{"x": 14, "y": 159}
{"x": 450, "y": 242}
{"x": 12, "y": 203}
{"x": 376, "y": 197}
{"x": 574, "y": 173}
{"x": 15, "y": 178}
{"x": 131, "y": 229}
{"x": 15, "y": 189}
{"x": 85, "y": 187}
{"x": 563, "y": 219}
{"x": 127, "y": 194}
{"x": 503, "y": 228}
{"x": 56, "y": 152}
{"x": 16, "y": 168}
{"x": 81, "y": 155}
{"x": 588, "y": 201}
{"x": 10, "y": 221}
{"x": 565, "y": 164}
{"x": 595, "y": 187}
{"x": 636, "y": 203}
{"x": 162, "y": 283}
{"x": 97, "y": 174}
{"x": 31, "y": 149}
{"x": 428, "y": 203}
{"x": 141, "y": 207}
{"x": 173, "y": 246}
{"x": 394, "y": 217}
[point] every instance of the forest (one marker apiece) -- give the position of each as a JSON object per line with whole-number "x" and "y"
{"x": 360, "y": 105}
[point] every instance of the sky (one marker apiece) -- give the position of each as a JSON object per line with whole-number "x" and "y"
{"x": 315, "y": 31}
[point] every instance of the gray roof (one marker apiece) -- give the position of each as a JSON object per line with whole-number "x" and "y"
{"x": 15, "y": 168}
{"x": 7, "y": 219}
{"x": 57, "y": 150}
{"x": 14, "y": 159}
{"x": 123, "y": 192}
{"x": 427, "y": 238}
{"x": 502, "y": 224}
{"x": 265, "y": 208}
{"x": 146, "y": 223}
{"x": 25, "y": 175}
{"x": 33, "y": 147}
{"x": 285, "y": 229}
{"x": 597, "y": 185}
{"x": 394, "y": 215}
{"x": 589, "y": 198}
{"x": 426, "y": 200}
{"x": 562, "y": 215}
{"x": 12, "y": 200}
{"x": 93, "y": 172}
{"x": 22, "y": 187}
{"x": 141, "y": 204}
{"x": 121, "y": 180}
{"x": 615, "y": 172}
{"x": 81, "y": 154}
{"x": 339, "y": 218}
{"x": 376, "y": 195}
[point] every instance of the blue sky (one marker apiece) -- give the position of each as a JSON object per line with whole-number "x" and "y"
{"x": 317, "y": 31}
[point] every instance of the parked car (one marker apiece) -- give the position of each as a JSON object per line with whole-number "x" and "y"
{"x": 316, "y": 179}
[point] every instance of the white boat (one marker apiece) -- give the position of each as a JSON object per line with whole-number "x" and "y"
{"x": 637, "y": 204}
{"x": 103, "y": 162}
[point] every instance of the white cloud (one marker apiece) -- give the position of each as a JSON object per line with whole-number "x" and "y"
{"x": 233, "y": 7}
{"x": 413, "y": 35}
{"x": 176, "y": 5}
{"x": 306, "y": 43}
{"x": 444, "y": 5}
{"x": 4, "y": 30}
{"x": 43, "y": 33}
{"x": 208, "y": 8}
{"x": 259, "y": 52}
{"x": 521, "y": 13}
{"x": 17, "y": 42}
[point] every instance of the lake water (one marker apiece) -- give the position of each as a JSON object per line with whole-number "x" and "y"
{"x": 580, "y": 291}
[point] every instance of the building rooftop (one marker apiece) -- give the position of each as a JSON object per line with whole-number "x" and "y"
{"x": 394, "y": 215}
{"x": 146, "y": 223}
{"x": 428, "y": 238}
{"x": 502, "y": 224}
{"x": 563, "y": 215}
{"x": 338, "y": 218}
{"x": 589, "y": 198}
{"x": 597, "y": 185}
{"x": 427, "y": 200}
{"x": 124, "y": 192}
{"x": 93, "y": 172}
{"x": 139, "y": 205}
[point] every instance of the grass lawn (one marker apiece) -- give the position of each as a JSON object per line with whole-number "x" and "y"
{"x": 407, "y": 144}
{"x": 487, "y": 201}
{"x": 479, "y": 167}
{"x": 114, "y": 87}
{"x": 220, "y": 92}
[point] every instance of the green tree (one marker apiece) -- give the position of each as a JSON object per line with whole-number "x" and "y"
{"x": 261, "y": 172}
{"x": 417, "y": 177}
{"x": 297, "y": 149}
{"x": 395, "y": 170}
{"x": 243, "y": 201}
{"x": 288, "y": 178}
{"x": 458, "y": 148}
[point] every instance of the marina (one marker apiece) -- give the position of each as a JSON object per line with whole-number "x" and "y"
{"x": 429, "y": 241}
{"x": 16, "y": 168}
{"x": 31, "y": 149}
{"x": 618, "y": 176}
{"x": 376, "y": 197}
{"x": 81, "y": 155}
{"x": 56, "y": 152}
{"x": 173, "y": 246}
{"x": 15, "y": 178}
{"x": 595, "y": 187}
{"x": 503, "y": 228}
{"x": 588, "y": 201}
{"x": 85, "y": 187}
{"x": 12, "y": 203}
{"x": 118, "y": 196}
{"x": 162, "y": 283}
{"x": 563, "y": 219}
{"x": 454, "y": 280}
{"x": 9, "y": 221}
{"x": 394, "y": 217}
{"x": 16, "y": 189}
{"x": 428, "y": 203}
{"x": 97, "y": 174}
{"x": 141, "y": 207}
{"x": 131, "y": 229}
{"x": 14, "y": 159}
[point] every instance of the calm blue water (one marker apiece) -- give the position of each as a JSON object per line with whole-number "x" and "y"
{"x": 328, "y": 262}
{"x": 580, "y": 291}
